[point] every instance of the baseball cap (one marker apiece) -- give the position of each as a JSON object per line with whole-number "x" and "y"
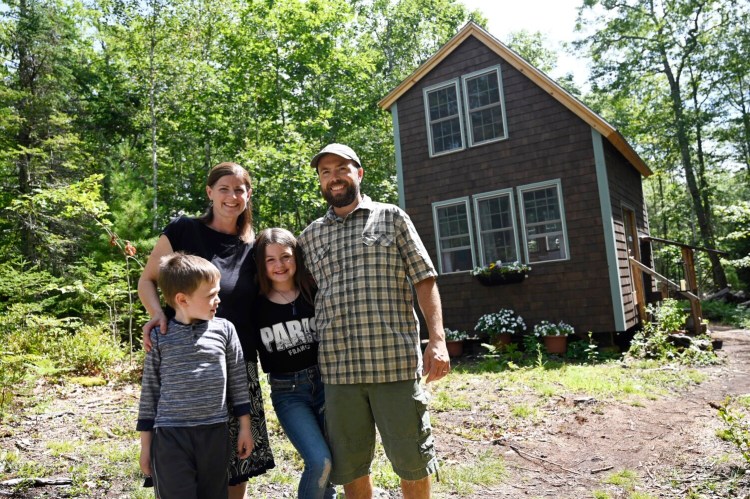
{"x": 345, "y": 152}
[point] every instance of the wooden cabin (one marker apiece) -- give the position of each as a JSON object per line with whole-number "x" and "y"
{"x": 496, "y": 162}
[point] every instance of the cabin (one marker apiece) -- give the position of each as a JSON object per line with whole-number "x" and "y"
{"x": 497, "y": 162}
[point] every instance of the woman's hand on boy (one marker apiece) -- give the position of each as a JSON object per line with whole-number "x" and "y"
{"x": 160, "y": 320}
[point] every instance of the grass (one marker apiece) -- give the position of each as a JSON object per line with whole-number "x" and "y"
{"x": 465, "y": 478}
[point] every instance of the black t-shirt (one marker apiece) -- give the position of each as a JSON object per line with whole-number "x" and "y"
{"x": 234, "y": 259}
{"x": 286, "y": 342}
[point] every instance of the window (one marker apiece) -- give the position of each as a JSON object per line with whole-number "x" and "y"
{"x": 453, "y": 234}
{"x": 485, "y": 111}
{"x": 444, "y": 121}
{"x": 496, "y": 227}
{"x": 543, "y": 221}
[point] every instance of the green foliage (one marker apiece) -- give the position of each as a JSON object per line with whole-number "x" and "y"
{"x": 726, "y": 313}
{"x": 736, "y": 217}
{"x": 584, "y": 351}
{"x": 652, "y": 341}
{"x": 737, "y": 429}
{"x": 669, "y": 315}
{"x": 91, "y": 350}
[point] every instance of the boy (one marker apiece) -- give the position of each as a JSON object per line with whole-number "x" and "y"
{"x": 187, "y": 377}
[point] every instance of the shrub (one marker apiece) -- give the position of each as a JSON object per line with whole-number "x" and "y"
{"x": 738, "y": 428}
{"x": 90, "y": 351}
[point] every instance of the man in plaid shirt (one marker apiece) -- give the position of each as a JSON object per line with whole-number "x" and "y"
{"x": 365, "y": 257}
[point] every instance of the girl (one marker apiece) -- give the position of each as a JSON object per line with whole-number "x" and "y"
{"x": 286, "y": 340}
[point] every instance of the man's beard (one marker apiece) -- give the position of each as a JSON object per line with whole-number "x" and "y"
{"x": 345, "y": 199}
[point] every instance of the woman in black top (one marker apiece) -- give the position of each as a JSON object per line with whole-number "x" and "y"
{"x": 224, "y": 236}
{"x": 286, "y": 339}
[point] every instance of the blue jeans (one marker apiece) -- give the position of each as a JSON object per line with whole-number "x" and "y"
{"x": 298, "y": 399}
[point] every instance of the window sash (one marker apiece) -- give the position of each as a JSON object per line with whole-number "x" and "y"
{"x": 543, "y": 220}
{"x": 453, "y": 235}
{"x": 496, "y": 227}
{"x": 443, "y": 114}
{"x": 485, "y": 109}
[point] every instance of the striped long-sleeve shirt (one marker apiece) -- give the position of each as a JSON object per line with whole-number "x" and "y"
{"x": 191, "y": 375}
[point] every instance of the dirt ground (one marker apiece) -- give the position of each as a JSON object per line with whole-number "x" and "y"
{"x": 670, "y": 444}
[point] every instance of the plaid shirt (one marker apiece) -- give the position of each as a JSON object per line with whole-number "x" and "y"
{"x": 364, "y": 265}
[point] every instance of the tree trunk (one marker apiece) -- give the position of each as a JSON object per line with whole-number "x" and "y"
{"x": 152, "y": 110}
{"x": 704, "y": 226}
{"x": 26, "y": 81}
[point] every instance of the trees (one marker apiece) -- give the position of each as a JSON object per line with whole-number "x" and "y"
{"x": 668, "y": 58}
{"x": 44, "y": 49}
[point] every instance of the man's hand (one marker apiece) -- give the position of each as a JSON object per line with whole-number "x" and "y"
{"x": 437, "y": 363}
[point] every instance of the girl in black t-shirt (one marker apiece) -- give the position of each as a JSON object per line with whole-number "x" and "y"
{"x": 286, "y": 340}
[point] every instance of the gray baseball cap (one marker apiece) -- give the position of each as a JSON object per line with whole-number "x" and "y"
{"x": 345, "y": 152}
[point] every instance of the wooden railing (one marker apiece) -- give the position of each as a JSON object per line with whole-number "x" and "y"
{"x": 695, "y": 302}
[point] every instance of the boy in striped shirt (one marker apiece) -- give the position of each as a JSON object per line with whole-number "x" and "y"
{"x": 189, "y": 377}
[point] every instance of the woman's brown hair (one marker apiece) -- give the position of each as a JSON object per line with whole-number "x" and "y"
{"x": 245, "y": 220}
{"x": 302, "y": 278}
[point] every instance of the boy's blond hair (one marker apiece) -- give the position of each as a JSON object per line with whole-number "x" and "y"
{"x": 183, "y": 273}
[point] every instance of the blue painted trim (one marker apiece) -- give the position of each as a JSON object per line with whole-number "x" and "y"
{"x": 399, "y": 163}
{"x": 608, "y": 224}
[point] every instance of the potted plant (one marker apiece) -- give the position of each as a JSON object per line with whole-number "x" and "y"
{"x": 498, "y": 273}
{"x": 500, "y": 326}
{"x": 454, "y": 341}
{"x": 554, "y": 335}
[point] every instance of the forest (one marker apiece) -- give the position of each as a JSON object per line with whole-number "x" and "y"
{"x": 114, "y": 110}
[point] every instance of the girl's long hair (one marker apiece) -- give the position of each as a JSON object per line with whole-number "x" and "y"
{"x": 302, "y": 278}
{"x": 245, "y": 220}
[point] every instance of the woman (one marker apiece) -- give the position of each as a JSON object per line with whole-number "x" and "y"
{"x": 224, "y": 236}
{"x": 287, "y": 344}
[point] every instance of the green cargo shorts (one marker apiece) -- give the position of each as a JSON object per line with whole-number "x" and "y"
{"x": 398, "y": 409}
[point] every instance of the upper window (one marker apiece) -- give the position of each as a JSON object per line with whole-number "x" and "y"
{"x": 496, "y": 227}
{"x": 485, "y": 111}
{"x": 453, "y": 234}
{"x": 473, "y": 114}
{"x": 444, "y": 120}
{"x": 543, "y": 221}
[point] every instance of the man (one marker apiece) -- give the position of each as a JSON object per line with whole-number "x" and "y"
{"x": 365, "y": 257}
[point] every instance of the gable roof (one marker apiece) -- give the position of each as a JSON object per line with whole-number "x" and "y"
{"x": 540, "y": 79}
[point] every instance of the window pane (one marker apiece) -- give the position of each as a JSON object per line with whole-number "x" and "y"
{"x": 457, "y": 261}
{"x": 496, "y": 230}
{"x": 483, "y": 90}
{"x": 484, "y": 107}
{"x": 544, "y": 226}
{"x": 499, "y": 246}
{"x": 487, "y": 124}
{"x": 454, "y": 238}
{"x": 445, "y": 123}
{"x": 446, "y": 135}
{"x": 443, "y": 103}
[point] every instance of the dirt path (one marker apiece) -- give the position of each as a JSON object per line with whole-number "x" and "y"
{"x": 670, "y": 444}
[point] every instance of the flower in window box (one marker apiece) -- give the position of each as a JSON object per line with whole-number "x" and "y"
{"x": 499, "y": 273}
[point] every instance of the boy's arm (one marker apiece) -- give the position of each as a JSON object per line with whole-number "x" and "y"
{"x": 145, "y": 459}
{"x": 150, "y": 388}
{"x": 245, "y": 442}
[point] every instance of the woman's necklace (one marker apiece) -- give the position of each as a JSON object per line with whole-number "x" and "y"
{"x": 292, "y": 302}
